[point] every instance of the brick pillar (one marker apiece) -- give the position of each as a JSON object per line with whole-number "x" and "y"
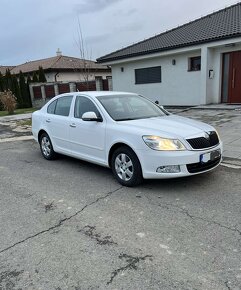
{"x": 110, "y": 84}
{"x": 43, "y": 93}
{"x": 99, "y": 84}
{"x": 72, "y": 87}
{"x": 56, "y": 89}
{"x": 31, "y": 93}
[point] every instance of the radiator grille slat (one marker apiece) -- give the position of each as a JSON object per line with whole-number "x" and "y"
{"x": 202, "y": 142}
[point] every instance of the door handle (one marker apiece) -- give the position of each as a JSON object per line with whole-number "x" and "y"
{"x": 48, "y": 120}
{"x": 73, "y": 125}
{"x": 233, "y": 79}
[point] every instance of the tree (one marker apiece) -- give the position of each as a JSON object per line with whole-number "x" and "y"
{"x": 42, "y": 78}
{"x": 85, "y": 65}
{"x": 8, "y": 80}
{"x": 1, "y": 88}
{"x": 24, "y": 90}
{"x": 1, "y": 82}
{"x": 29, "y": 96}
{"x": 35, "y": 78}
{"x": 29, "y": 80}
{"x": 16, "y": 91}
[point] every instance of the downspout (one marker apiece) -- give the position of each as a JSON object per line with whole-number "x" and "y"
{"x": 55, "y": 77}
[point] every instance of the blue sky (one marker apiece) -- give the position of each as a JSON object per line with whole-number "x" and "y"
{"x": 31, "y": 29}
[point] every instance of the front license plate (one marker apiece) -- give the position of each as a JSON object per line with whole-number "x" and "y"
{"x": 210, "y": 156}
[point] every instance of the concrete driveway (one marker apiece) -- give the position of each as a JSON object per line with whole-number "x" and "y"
{"x": 67, "y": 224}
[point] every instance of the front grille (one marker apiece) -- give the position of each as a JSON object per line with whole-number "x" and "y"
{"x": 199, "y": 167}
{"x": 202, "y": 142}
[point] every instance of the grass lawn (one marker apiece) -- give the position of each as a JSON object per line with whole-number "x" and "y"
{"x": 18, "y": 111}
{"x": 27, "y": 122}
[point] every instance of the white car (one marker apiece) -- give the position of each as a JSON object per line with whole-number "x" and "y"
{"x": 127, "y": 132}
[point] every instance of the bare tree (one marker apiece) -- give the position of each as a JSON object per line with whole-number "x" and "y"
{"x": 85, "y": 63}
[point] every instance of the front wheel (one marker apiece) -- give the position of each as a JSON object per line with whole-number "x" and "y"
{"x": 46, "y": 147}
{"x": 126, "y": 167}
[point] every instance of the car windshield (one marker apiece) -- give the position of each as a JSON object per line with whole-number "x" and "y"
{"x": 130, "y": 107}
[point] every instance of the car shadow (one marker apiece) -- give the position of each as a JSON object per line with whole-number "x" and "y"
{"x": 188, "y": 184}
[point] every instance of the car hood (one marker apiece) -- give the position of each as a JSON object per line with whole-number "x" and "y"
{"x": 170, "y": 126}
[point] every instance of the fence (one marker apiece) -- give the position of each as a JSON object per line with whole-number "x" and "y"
{"x": 43, "y": 92}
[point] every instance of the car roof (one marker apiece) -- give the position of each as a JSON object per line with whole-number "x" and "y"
{"x": 96, "y": 94}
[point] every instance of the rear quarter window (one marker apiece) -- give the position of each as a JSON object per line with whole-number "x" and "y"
{"x": 51, "y": 107}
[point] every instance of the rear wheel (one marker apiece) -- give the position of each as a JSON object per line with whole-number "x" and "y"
{"x": 46, "y": 147}
{"x": 126, "y": 166}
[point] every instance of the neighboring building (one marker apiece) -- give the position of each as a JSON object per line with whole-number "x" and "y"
{"x": 65, "y": 68}
{"x": 3, "y": 68}
{"x": 196, "y": 63}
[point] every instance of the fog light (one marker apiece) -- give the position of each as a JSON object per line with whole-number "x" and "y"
{"x": 168, "y": 169}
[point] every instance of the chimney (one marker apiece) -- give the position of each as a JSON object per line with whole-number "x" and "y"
{"x": 58, "y": 52}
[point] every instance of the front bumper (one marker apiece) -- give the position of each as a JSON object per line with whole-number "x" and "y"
{"x": 188, "y": 161}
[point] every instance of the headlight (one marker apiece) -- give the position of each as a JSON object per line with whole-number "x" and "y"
{"x": 163, "y": 144}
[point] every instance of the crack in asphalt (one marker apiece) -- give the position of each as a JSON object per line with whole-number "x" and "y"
{"x": 184, "y": 211}
{"x": 132, "y": 262}
{"x": 90, "y": 231}
{"x": 61, "y": 222}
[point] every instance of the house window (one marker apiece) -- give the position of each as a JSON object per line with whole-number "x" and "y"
{"x": 148, "y": 75}
{"x": 194, "y": 63}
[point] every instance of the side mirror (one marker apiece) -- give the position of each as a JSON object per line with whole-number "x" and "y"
{"x": 91, "y": 116}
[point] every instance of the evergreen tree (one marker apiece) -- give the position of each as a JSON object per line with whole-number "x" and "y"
{"x": 29, "y": 80}
{"x": 29, "y": 96}
{"x": 24, "y": 90}
{"x": 16, "y": 91}
{"x": 35, "y": 78}
{"x": 1, "y": 82}
{"x": 42, "y": 78}
{"x": 1, "y": 88}
{"x": 8, "y": 80}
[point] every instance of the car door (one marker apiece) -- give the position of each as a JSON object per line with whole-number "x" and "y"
{"x": 57, "y": 123}
{"x": 87, "y": 137}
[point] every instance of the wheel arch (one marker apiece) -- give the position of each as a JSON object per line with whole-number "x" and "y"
{"x": 116, "y": 146}
{"x": 40, "y": 133}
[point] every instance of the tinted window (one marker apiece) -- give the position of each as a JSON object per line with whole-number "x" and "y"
{"x": 148, "y": 75}
{"x": 63, "y": 106}
{"x": 83, "y": 105}
{"x": 51, "y": 107}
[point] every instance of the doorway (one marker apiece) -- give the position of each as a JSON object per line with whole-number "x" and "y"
{"x": 231, "y": 85}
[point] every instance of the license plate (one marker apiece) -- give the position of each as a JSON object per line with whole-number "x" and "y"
{"x": 210, "y": 156}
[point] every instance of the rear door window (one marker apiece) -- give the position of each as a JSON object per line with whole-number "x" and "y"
{"x": 63, "y": 106}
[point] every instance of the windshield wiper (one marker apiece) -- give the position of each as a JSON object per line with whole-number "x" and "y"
{"x": 125, "y": 119}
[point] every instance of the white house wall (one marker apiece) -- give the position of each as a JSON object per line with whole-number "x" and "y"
{"x": 73, "y": 76}
{"x": 179, "y": 86}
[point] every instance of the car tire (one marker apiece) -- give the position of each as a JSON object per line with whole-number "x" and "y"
{"x": 46, "y": 147}
{"x": 126, "y": 167}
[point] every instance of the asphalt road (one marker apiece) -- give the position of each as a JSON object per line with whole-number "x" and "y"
{"x": 67, "y": 224}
